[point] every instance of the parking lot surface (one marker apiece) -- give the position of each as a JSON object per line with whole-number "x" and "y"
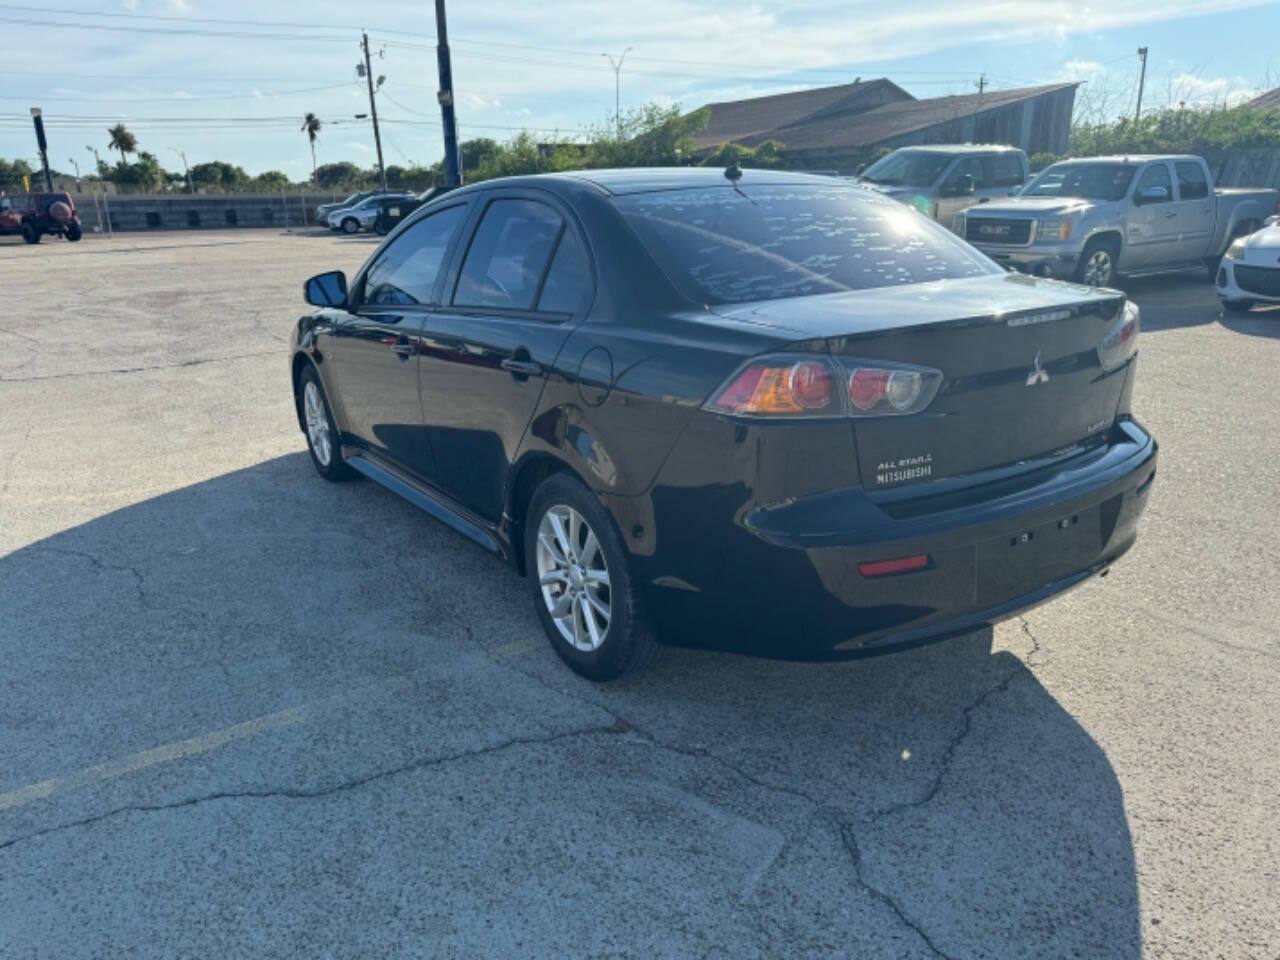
{"x": 244, "y": 712}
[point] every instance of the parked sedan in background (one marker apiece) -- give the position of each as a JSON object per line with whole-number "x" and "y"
{"x": 673, "y": 411}
{"x": 1250, "y": 270}
{"x": 323, "y": 211}
{"x": 362, "y": 215}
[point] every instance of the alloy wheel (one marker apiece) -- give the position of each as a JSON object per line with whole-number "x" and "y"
{"x": 317, "y": 418}
{"x": 574, "y": 577}
{"x": 1097, "y": 270}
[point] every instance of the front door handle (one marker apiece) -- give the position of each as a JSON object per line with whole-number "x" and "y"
{"x": 1170, "y": 216}
{"x": 404, "y": 349}
{"x": 526, "y": 368}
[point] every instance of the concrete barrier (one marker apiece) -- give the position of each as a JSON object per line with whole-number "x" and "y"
{"x": 178, "y": 211}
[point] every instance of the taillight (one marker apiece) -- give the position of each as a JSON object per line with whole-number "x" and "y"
{"x": 782, "y": 385}
{"x": 779, "y": 386}
{"x": 1121, "y": 341}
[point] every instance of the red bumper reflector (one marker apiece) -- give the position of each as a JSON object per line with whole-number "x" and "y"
{"x": 882, "y": 568}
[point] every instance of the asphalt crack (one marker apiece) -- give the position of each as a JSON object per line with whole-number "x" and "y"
{"x": 115, "y": 371}
{"x": 850, "y": 841}
{"x": 344, "y": 786}
{"x": 98, "y": 563}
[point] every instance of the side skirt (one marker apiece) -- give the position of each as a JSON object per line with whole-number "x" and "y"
{"x": 433, "y": 502}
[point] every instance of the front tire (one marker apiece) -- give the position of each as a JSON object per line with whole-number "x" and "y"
{"x": 30, "y": 233}
{"x": 581, "y": 585}
{"x": 350, "y": 225}
{"x": 1237, "y": 306}
{"x": 323, "y": 441}
{"x": 1097, "y": 266}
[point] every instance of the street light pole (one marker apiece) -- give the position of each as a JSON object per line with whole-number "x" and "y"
{"x": 43, "y": 144}
{"x": 617, "y": 87}
{"x": 452, "y": 171}
{"x": 1142, "y": 82}
{"x": 72, "y": 161}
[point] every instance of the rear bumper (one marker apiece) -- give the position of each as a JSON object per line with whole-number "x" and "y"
{"x": 992, "y": 551}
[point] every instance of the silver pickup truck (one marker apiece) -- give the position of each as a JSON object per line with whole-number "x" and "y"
{"x": 1089, "y": 220}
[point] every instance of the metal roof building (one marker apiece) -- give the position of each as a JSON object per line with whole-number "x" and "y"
{"x": 842, "y": 125}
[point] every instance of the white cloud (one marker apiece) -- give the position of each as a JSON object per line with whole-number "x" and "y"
{"x": 357, "y": 145}
{"x": 1083, "y": 69}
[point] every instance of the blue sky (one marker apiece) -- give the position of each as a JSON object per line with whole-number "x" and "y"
{"x": 184, "y": 77}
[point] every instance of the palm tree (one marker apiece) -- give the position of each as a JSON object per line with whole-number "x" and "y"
{"x": 122, "y": 140}
{"x": 311, "y": 127}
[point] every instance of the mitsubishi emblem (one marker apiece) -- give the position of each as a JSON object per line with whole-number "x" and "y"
{"x": 1038, "y": 374}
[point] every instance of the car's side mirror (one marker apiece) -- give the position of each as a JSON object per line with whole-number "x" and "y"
{"x": 327, "y": 289}
{"x": 1153, "y": 195}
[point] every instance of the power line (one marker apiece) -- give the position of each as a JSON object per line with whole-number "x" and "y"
{"x": 230, "y": 96}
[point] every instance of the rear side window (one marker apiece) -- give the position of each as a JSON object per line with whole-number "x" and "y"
{"x": 1192, "y": 182}
{"x": 508, "y": 255}
{"x": 566, "y": 282}
{"x": 405, "y": 274}
{"x": 1003, "y": 170}
{"x": 720, "y": 246}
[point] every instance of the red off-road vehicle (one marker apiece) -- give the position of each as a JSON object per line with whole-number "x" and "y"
{"x": 39, "y": 213}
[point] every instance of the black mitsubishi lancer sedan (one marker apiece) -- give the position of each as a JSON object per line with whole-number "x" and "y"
{"x": 748, "y": 401}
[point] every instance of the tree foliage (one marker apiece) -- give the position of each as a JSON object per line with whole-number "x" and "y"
{"x": 767, "y": 155}
{"x": 1208, "y": 133}
{"x": 218, "y": 177}
{"x": 12, "y": 172}
{"x": 122, "y": 140}
{"x": 344, "y": 174}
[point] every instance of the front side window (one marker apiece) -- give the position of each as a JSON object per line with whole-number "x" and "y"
{"x": 720, "y": 245}
{"x": 966, "y": 167}
{"x": 508, "y": 255}
{"x": 1192, "y": 182}
{"x": 1156, "y": 175}
{"x": 405, "y": 274}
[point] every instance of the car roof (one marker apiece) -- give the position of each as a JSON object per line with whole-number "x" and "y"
{"x": 1133, "y": 158}
{"x": 649, "y": 179}
{"x": 962, "y": 148}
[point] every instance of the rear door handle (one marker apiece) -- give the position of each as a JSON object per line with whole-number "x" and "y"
{"x": 404, "y": 349}
{"x": 1170, "y": 216}
{"x": 527, "y": 368}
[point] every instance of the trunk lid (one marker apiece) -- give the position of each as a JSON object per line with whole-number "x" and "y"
{"x": 1018, "y": 355}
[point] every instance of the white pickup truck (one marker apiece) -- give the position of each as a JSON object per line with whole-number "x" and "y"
{"x": 1089, "y": 220}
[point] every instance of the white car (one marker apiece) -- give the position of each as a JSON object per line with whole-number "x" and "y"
{"x": 1250, "y": 270}
{"x": 362, "y": 215}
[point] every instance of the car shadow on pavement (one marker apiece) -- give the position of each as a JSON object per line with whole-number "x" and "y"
{"x": 1258, "y": 322}
{"x": 941, "y": 794}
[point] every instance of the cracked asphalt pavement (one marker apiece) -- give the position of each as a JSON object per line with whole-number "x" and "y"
{"x": 244, "y": 712}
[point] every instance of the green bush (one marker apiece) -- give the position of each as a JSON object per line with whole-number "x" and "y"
{"x": 1207, "y": 133}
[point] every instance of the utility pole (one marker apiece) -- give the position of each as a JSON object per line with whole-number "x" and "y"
{"x": 43, "y": 144}
{"x": 982, "y": 83}
{"x": 1142, "y": 80}
{"x": 452, "y": 167}
{"x": 617, "y": 87}
{"x": 373, "y": 109}
{"x": 185, "y": 169}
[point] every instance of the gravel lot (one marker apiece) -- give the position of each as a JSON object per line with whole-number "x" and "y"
{"x": 244, "y": 712}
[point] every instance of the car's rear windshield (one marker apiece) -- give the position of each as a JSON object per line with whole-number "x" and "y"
{"x": 720, "y": 245}
{"x": 1087, "y": 181}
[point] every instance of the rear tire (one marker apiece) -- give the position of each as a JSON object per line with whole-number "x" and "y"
{"x": 323, "y": 440}
{"x": 576, "y": 564}
{"x": 350, "y": 225}
{"x": 30, "y": 232}
{"x": 73, "y": 232}
{"x": 1237, "y": 306}
{"x": 1097, "y": 266}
